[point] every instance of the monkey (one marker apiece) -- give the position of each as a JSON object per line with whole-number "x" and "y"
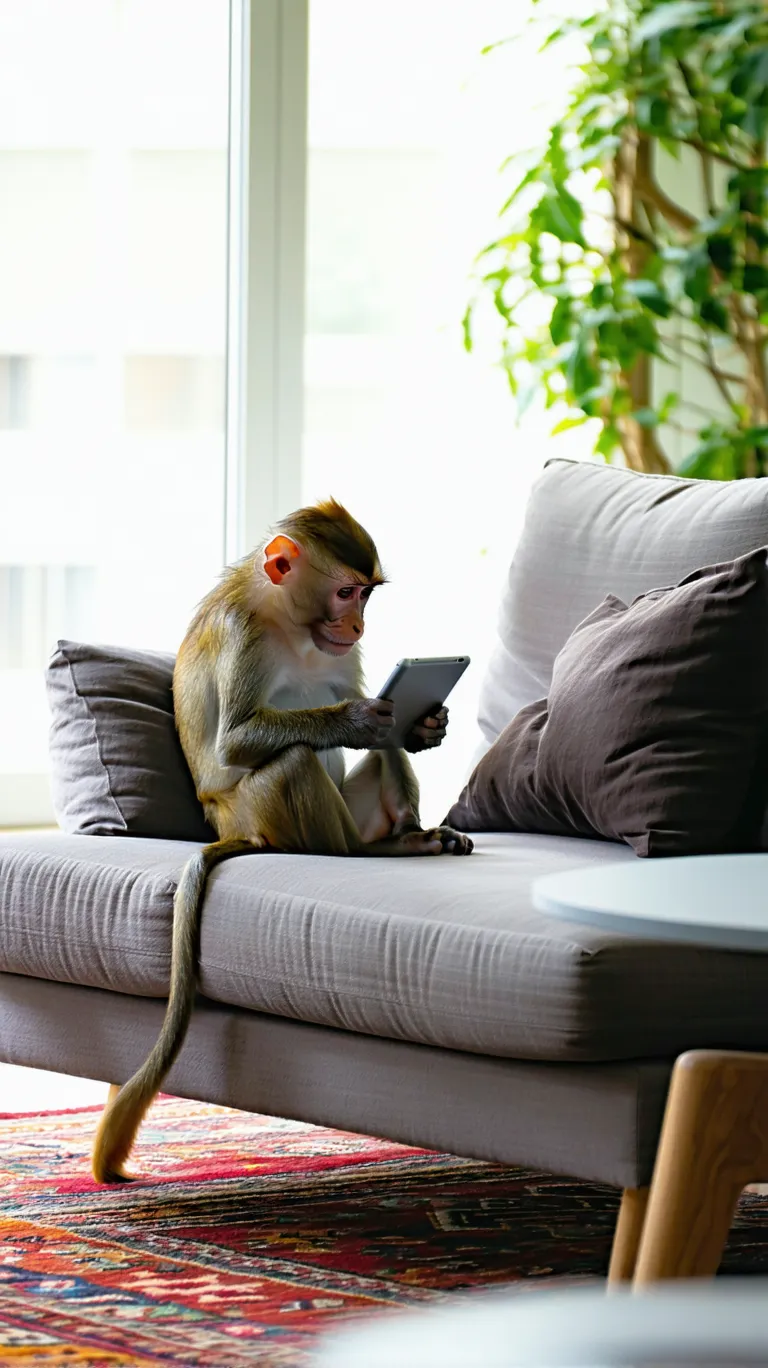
{"x": 267, "y": 688}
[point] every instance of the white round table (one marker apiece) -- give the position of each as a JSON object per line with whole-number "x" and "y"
{"x": 714, "y": 1140}
{"x": 580, "y": 1328}
{"x": 719, "y": 900}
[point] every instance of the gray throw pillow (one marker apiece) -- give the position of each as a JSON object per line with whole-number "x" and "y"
{"x": 117, "y": 767}
{"x": 654, "y": 730}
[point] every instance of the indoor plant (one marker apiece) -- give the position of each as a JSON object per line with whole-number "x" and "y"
{"x": 631, "y": 275}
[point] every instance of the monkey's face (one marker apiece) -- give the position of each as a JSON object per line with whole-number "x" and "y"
{"x": 340, "y": 625}
{"x": 321, "y": 596}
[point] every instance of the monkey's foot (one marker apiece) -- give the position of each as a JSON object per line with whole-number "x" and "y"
{"x": 451, "y": 842}
{"x": 437, "y": 841}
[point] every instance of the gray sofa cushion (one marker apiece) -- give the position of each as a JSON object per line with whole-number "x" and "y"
{"x": 117, "y": 767}
{"x": 592, "y": 530}
{"x": 92, "y": 910}
{"x": 434, "y": 951}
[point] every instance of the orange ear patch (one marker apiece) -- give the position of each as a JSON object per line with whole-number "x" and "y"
{"x": 278, "y": 556}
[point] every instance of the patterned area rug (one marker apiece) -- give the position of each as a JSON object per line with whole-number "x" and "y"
{"x": 248, "y": 1235}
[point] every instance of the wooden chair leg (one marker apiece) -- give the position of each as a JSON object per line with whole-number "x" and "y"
{"x": 713, "y": 1142}
{"x": 626, "y": 1240}
{"x": 114, "y": 1089}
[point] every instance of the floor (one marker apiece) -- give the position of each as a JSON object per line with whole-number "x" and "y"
{"x": 33, "y": 1090}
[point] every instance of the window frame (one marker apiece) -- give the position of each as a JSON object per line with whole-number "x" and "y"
{"x": 266, "y": 266}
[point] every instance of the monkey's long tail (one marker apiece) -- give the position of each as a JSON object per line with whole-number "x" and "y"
{"x": 121, "y": 1119}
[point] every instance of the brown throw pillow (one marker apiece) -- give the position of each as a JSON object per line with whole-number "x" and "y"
{"x": 654, "y": 728}
{"x": 117, "y": 767}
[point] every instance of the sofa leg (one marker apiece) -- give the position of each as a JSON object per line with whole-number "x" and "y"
{"x": 114, "y": 1089}
{"x": 713, "y": 1142}
{"x": 629, "y": 1228}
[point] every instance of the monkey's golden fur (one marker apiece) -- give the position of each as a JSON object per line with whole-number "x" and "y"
{"x": 268, "y": 679}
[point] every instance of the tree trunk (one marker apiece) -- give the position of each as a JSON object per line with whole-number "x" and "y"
{"x": 632, "y": 164}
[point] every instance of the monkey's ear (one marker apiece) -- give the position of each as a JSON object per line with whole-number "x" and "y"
{"x": 278, "y": 556}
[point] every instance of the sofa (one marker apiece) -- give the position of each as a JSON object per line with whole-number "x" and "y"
{"x": 425, "y": 1001}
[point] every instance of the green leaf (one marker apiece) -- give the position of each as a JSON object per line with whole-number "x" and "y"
{"x": 674, "y": 255}
{"x": 525, "y": 397}
{"x": 671, "y": 147}
{"x": 720, "y": 250}
{"x": 581, "y": 372}
{"x": 652, "y": 113}
{"x": 752, "y": 179}
{"x": 640, "y": 335}
{"x": 491, "y": 47}
{"x": 755, "y": 121}
{"x": 531, "y": 177}
{"x": 757, "y": 233}
{"x": 598, "y": 151}
{"x": 751, "y": 75}
{"x": 755, "y": 278}
{"x": 466, "y": 328}
{"x": 665, "y": 17}
{"x": 592, "y": 400}
{"x": 608, "y": 441}
{"x": 651, "y": 295}
{"x": 621, "y": 402}
{"x": 709, "y": 462}
{"x": 646, "y": 417}
{"x": 733, "y": 29}
{"x": 696, "y": 275}
{"x": 566, "y": 424}
{"x": 559, "y": 323}
{"x": 760, "y": 66}
{"x": 561, "y": 215}
{"x": 713, "y": 311}
{"x": 553, "y": 37}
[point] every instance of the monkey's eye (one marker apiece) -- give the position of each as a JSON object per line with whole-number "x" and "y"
{"x": 366, "y": 594}
{"x": 345, "y": 593}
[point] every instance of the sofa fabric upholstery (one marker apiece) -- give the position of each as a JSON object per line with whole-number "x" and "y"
{"x": 593, "y": 1121}
{"x": 437, "y": 952}
{"x": 592, "y": 530}
{"x": 424, "y": 1000}
{"x": 117, "y": 767}
{"x": 654, "y": 731}
{"x": 89, "y": 909}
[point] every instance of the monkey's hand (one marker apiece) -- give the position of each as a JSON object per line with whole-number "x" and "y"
{"x": 427, "y": 732}
{"x": 369, "y": 722}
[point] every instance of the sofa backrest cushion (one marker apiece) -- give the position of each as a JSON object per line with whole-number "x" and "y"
{"x": 117, "y": 767}
{"x": 592, "y": 530}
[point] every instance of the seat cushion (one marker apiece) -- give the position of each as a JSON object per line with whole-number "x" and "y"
{"x": 436, "y": 951}
{"x": 93, "y": 910}
{"x": 592, "y": 530}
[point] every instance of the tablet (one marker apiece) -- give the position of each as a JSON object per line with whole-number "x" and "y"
{"x": 418, "y": 686}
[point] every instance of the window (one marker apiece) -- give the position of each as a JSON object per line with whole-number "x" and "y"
{"x": 408, "y": 125}
{"x": 38, "y": 602}
{"x": 113, "y": 254}
{"x": 129, "y": 217}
